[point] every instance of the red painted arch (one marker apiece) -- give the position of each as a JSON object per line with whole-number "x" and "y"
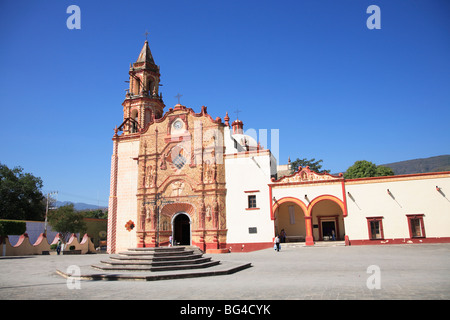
{"x": 298, "y": 202}
{"x": 326, "y": 197}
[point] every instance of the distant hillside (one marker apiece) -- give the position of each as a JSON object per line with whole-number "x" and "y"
{"x": 79, "y": 205}
{"x": 432, "y": 164}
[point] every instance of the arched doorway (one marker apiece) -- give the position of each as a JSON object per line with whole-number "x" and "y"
{"x": 327, "y": 214}
{"x": 181, "y": 229}
{"x": 290, "y": 218}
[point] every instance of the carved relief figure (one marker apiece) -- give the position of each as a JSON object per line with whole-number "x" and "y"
{"x": 177, "y": 188}
{"x": 142, "y": 219}
{"x": 208, "y": 213}
{"x": 148, "y": 213}
{"x": 150, "y": 180}
{"x": 202, "y": 216}
{"x": 163, "y": 165}
{"x": 216, "y": 216}
{"x": 209, "y": 175}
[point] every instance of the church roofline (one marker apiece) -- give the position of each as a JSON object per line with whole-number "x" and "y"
{"x": 180, "y": 107}
{"x": 145, "y": 55}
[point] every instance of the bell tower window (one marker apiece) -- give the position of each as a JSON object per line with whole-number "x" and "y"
{"x": 143, "y": 102}
{"x": 134, "y": 121}
{"x": 150, "y": 87}
{"x": 137, "y": 87}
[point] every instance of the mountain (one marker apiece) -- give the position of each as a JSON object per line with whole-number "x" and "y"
{"x": 432, "y": 164}
{"x": 79, "y": 205}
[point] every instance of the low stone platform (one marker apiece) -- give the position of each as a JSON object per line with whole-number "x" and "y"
{"x": 157, "y": 264}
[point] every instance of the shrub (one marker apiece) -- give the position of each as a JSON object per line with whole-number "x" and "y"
{"x": 10, "y": 227}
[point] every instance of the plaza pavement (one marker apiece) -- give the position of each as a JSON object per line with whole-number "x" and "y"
{"x": 410, "y": 271}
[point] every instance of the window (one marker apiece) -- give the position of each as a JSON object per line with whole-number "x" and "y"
{"x": 416, "y": 226}
{"x": 179, "y": 161}
{"x": 375, "y": 225}
{"x": 134, "y": 121}
{"x": 178, "y": 157}
{"x": 291, "y": 214}
{"x": 251, "y": 201}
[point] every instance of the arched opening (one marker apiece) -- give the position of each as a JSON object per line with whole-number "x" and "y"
{"x": 290, "y": 215}
{"x": 137, "y": 86}
{"x": 151, "y": 87}
{"x": 290, "y": 222}
{"x": 181, "y": 229}
{"x": 327, "y": 218}
{"x": 134, "y": 125}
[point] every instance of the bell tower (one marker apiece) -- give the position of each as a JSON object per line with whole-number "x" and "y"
{"x": 143, "y": 101}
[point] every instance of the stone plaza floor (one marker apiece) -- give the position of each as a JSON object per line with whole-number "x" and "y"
{"x": 410, "y": 271}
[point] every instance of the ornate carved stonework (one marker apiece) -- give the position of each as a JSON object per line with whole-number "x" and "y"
{"x": 178, "y": 156}
{"x": 307, "y": 175}
{"x": 185, "y": 166}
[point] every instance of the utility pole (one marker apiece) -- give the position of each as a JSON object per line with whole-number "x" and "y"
{"x": 46, "y": 210}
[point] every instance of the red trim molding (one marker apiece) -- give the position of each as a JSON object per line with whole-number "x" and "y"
{"x": 248, "y": 247}
{"x": 380, "y": 222}
{"x": 419, "y": 217}
{"x": 398, "y": 241}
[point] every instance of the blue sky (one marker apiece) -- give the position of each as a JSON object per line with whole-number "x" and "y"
{"x": 334, "y": 89}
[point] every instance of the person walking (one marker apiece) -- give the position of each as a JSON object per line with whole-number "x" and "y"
{"x": 277, "y": 243}
{"x": 58, "y": 247}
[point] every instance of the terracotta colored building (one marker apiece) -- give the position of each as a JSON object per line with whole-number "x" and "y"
{"x": 187, "y": 177}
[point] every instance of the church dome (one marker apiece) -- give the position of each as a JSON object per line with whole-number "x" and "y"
{"x": 247, "y": 142}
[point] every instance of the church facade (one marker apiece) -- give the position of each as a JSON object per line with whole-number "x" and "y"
{"x": 187, "y": 178}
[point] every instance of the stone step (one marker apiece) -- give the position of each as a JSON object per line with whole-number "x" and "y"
{"x": 160, "y": 249}
{"x": 156, "y": 257}
{"x": 155, "y": 268}
{"x": 155, "y": 263}
{"x": 225, "y": 268}
{"x": 156, "y": 254}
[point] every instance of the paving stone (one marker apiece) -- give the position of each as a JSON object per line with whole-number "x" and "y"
{"x": 416, "y": 271}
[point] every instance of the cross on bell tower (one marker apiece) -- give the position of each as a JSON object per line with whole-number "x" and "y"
{"x": 143, "y": 101}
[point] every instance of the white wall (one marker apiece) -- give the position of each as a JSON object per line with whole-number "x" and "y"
{"x": 248, "y": 172}
{"x": 127, "y": 181}
{"x": 409, "y": 195}
{"x": 412, "y": 196}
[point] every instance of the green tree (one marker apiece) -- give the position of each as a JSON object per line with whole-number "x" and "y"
{"x": 97, "y": 213}
{"x": 66, "y": 221}
{"x": 364, "y": 169}
{"x": 9, "y": 228}
{"x": 313, "y": 164}
{"x": 21, "y": 197}
{"x": 384, "y": 171}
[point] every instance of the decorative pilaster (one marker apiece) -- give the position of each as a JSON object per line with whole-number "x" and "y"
{"x": 112, "y": 206}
